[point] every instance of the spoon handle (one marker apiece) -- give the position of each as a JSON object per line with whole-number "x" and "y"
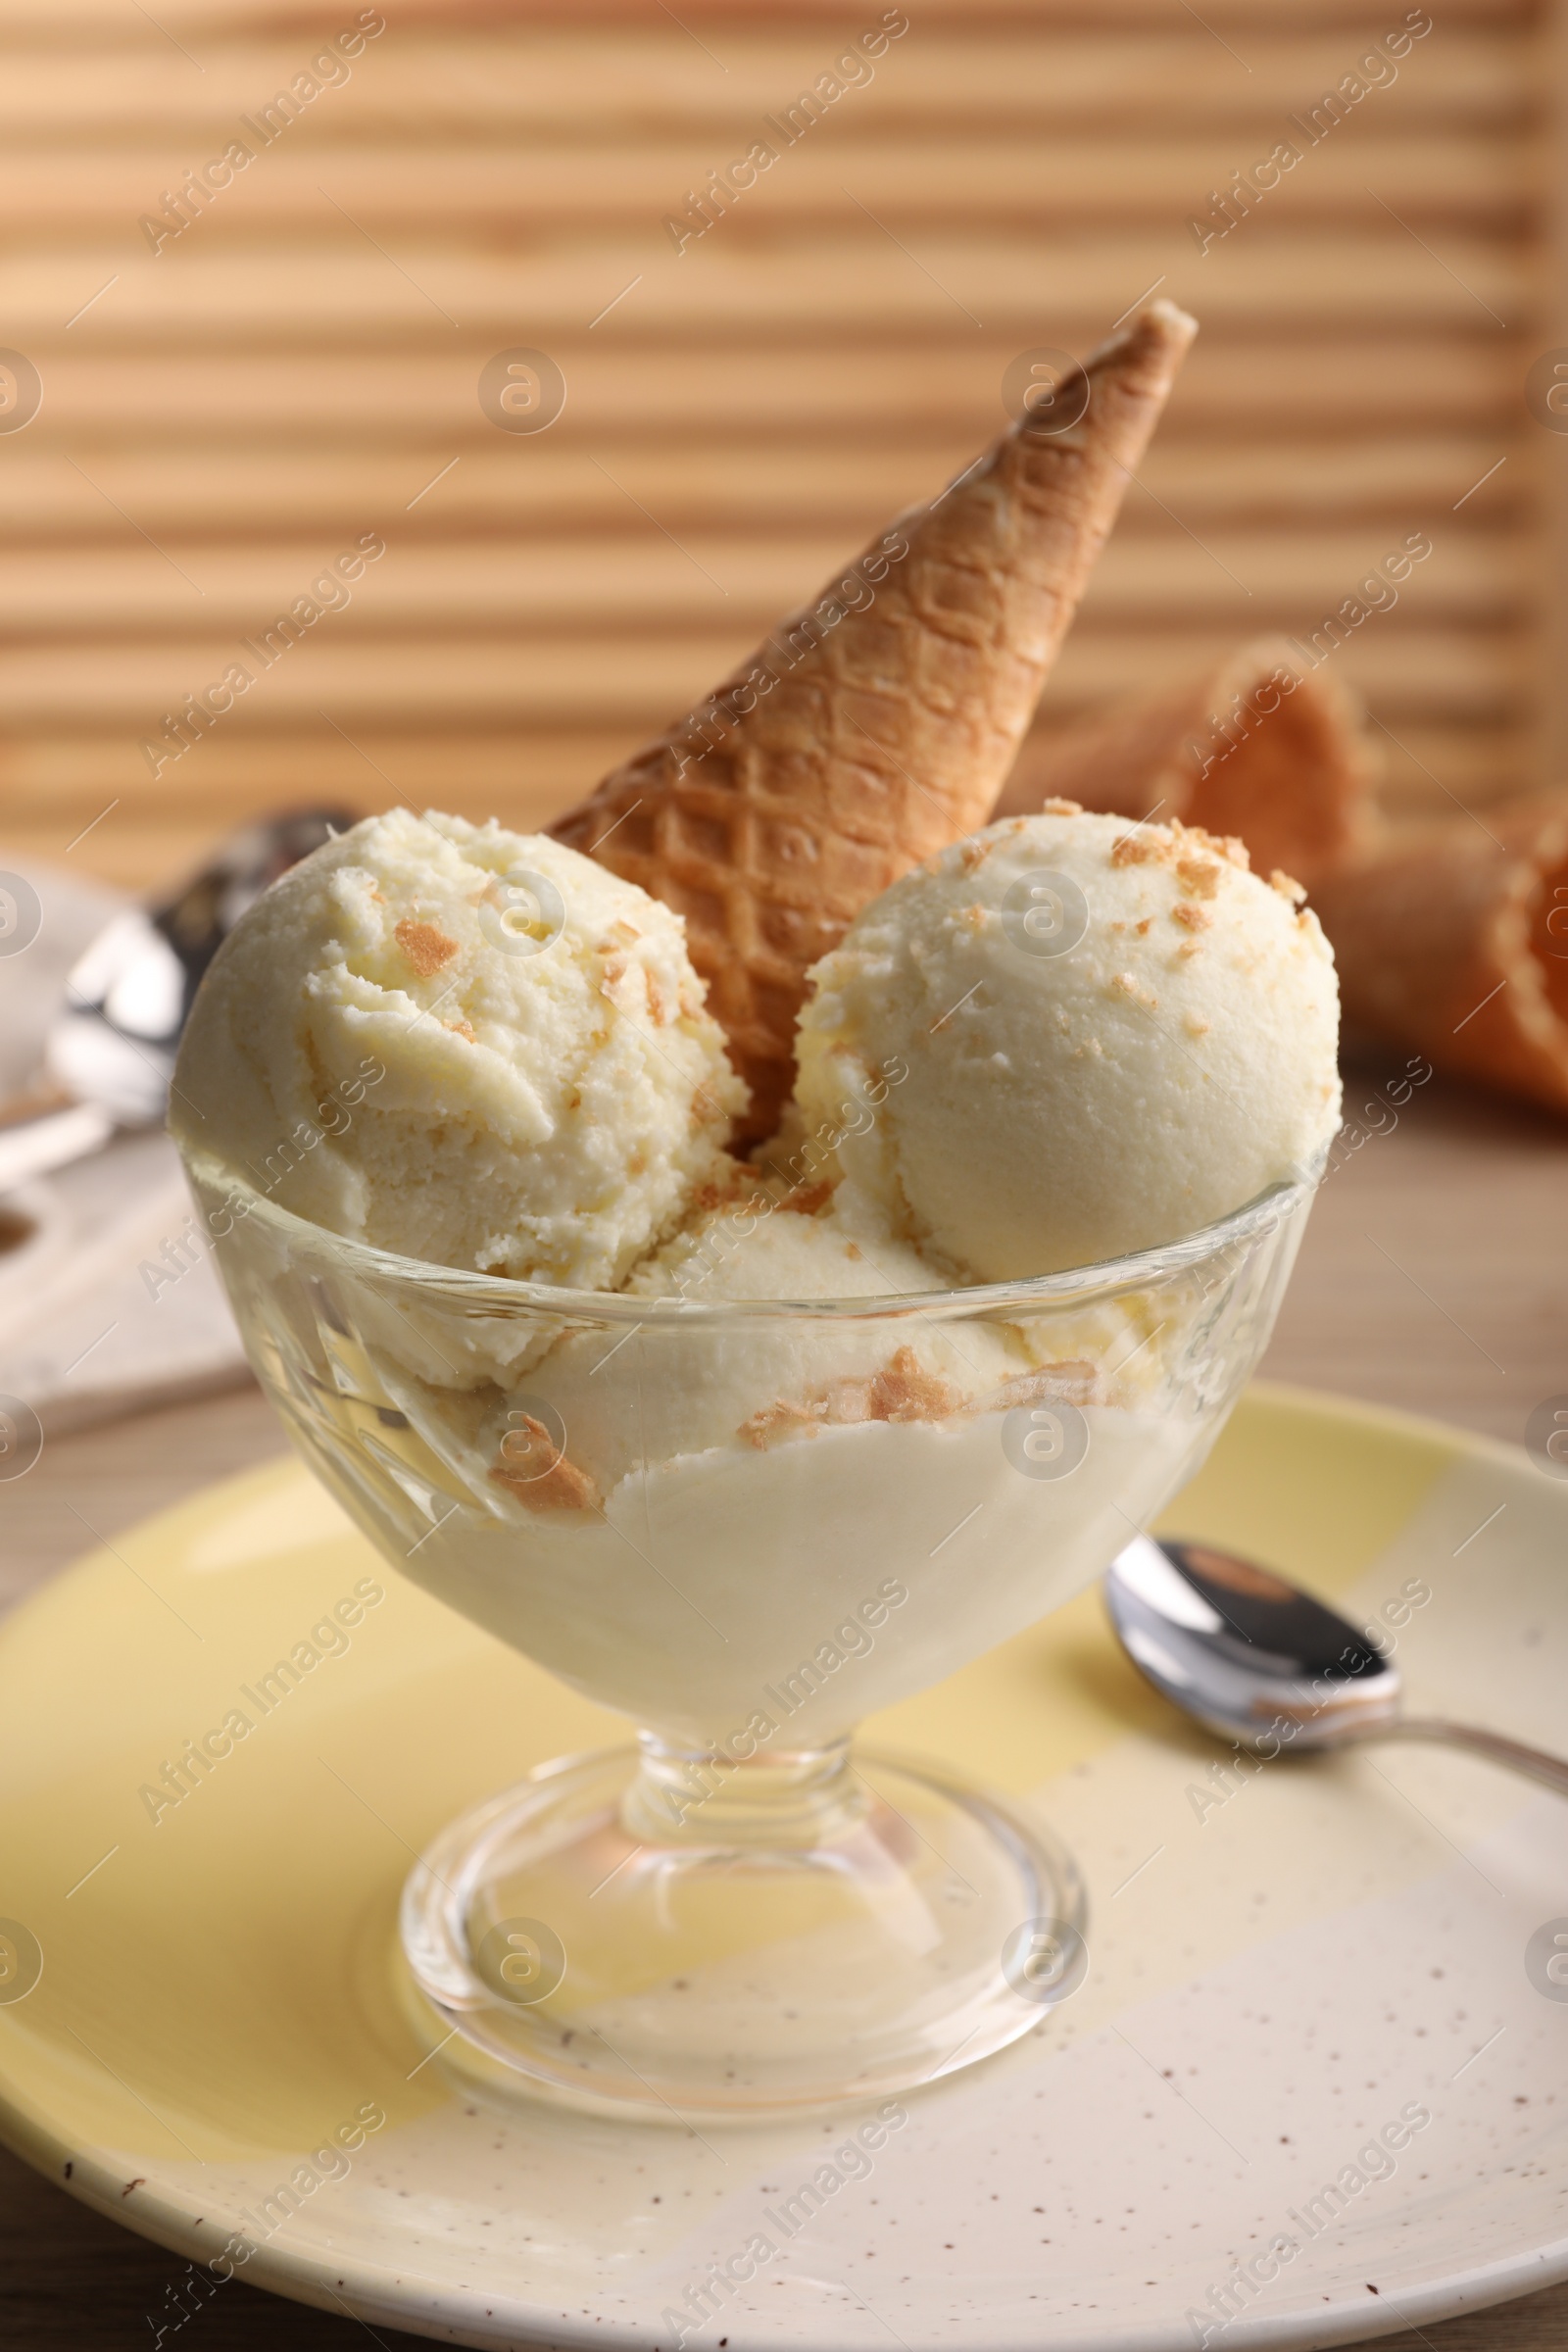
{"x": 1532, "y": 1762}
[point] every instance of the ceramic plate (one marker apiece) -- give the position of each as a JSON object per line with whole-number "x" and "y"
{"x": 1312, "y": 2088}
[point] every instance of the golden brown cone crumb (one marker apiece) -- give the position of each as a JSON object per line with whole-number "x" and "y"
{"x": 901, "y": 1391}
{"x": 1291, "y": 780}
{"x": 761, "y": 1428}
{"x": 876, "y": 725}
{"x": 426, "y": 947}
{"x": 1453, "y": 939}
{"x": 808, "y": 1198}
{"x": 563, "y": 1486}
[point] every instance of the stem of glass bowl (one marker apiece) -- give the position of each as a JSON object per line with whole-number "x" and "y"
{"x": 689, "y": 1797}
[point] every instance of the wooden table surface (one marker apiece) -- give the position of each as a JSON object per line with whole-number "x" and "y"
{"x": 1433, "y": 1277}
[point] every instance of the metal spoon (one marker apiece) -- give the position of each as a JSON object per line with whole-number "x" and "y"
{"x": 110, "y": 1053}
{"x": 1269, "y": 1667}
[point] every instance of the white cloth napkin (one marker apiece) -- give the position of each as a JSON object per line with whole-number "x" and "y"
{"x": 91, "y": 1324}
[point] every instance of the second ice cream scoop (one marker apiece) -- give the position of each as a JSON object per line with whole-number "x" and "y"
{"x": 1114, "y": 1035}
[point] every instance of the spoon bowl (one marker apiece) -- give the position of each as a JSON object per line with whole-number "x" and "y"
{"x": 1266, "y": 1666}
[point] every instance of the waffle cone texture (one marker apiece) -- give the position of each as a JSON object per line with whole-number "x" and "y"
{"x": 877, "y": 724}
{"x": 1453, "y": 938}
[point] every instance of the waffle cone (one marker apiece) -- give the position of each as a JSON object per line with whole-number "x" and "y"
{"x": 1259, "y": 745}
{"x": 876, "y": 725}
{"x": 1453, "y": 938}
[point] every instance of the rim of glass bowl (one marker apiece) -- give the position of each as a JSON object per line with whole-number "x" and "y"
{"x": 503, "y": 1293}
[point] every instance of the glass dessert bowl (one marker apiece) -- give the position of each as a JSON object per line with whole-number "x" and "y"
{"x": 747, "y": 1524}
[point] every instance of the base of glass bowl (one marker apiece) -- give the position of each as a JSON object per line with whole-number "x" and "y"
{"x": 654, "y": 1930}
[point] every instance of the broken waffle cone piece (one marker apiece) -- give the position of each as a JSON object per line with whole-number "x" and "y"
{"x": 876, "y": 725}
{"x": 1260, "y": 745}
{"x": 1452, "y": 937}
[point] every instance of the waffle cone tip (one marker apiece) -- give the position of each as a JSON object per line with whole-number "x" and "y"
{"x": 876, "y": 725}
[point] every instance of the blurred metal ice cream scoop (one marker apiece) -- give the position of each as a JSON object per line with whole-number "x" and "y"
{"x": 109, "y": 1051}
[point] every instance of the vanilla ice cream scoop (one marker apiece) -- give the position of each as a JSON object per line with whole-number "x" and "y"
{"x": 462, "y": 1045}
{"x": 1114, "y": 1035}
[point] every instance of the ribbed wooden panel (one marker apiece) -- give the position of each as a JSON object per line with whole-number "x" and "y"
{"x": 301, "y": 367}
